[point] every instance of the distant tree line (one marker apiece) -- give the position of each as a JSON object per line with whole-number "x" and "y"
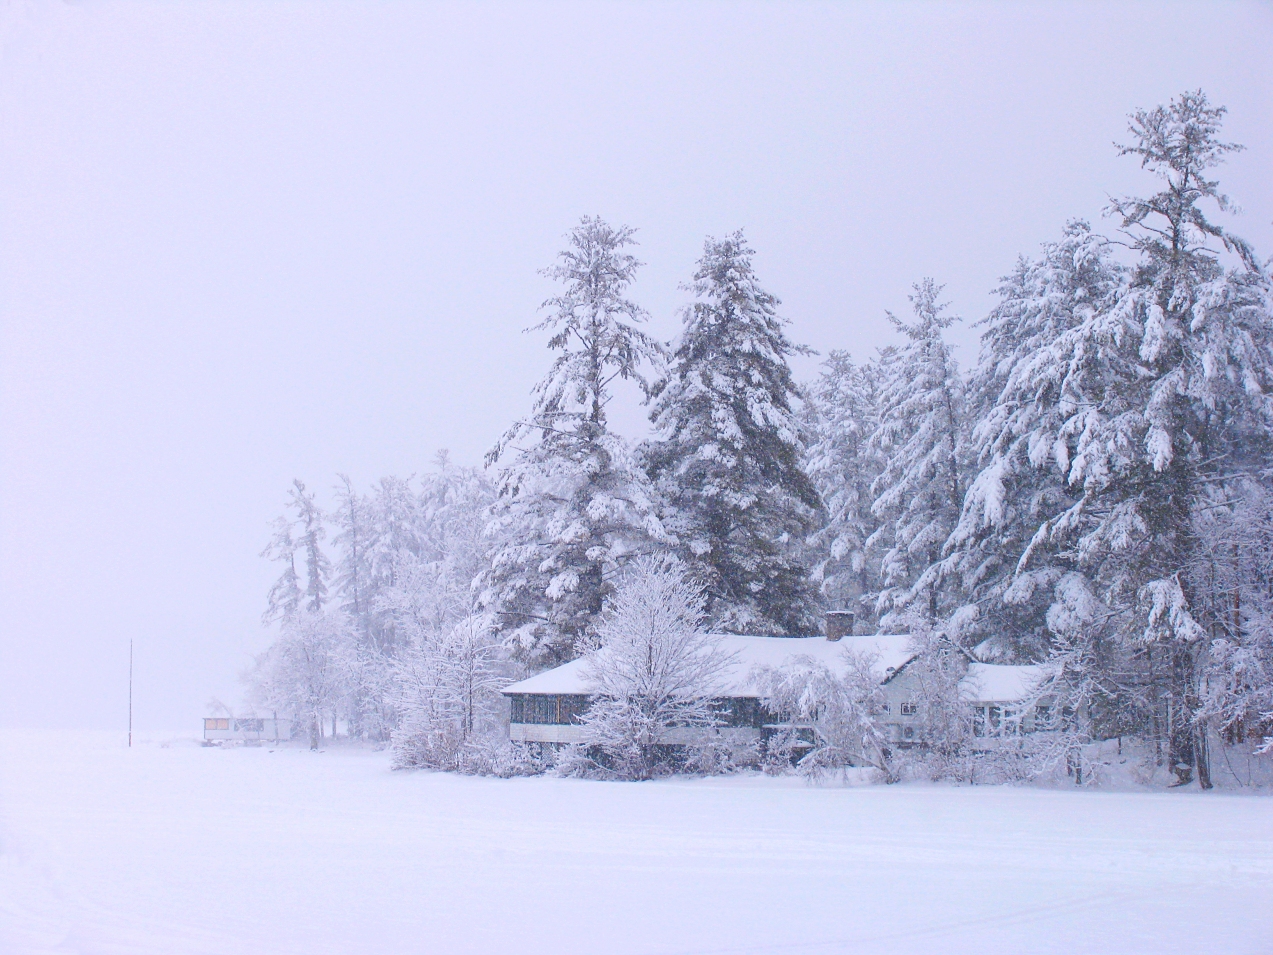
{"x": 1094, "y": 494}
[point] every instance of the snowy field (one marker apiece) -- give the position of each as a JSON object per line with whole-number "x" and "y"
{"x": 179, "y": 849}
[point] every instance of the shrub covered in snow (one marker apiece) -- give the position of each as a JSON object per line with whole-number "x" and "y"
{"x": 653, "y": 680}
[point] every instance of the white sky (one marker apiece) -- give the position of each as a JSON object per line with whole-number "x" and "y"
{"x": 247, "y": 242}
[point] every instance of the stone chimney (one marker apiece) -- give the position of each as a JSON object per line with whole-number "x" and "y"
{"x": 839, "y": 624}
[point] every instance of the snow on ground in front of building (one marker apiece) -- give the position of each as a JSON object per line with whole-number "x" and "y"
{"x": 180, "y": 849}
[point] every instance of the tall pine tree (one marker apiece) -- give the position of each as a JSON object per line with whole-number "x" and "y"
{"x": 918, "y": 493}
{"x": 1022, "y": 596}
{"x": 841, "y": 414}
{"x": 1202, "y": 414}
{"x": 310, "y": 522}
{"x": 355, "y": 542}
{"x": 1160, "y": 411}
{"x": 727, "y": 451}
{"x": 303, "y": 533}
{"x": 573, "y": 505}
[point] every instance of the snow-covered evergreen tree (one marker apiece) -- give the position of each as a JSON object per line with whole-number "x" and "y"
{"x": 917, "y": 495}
{"x": 1021, "y": 463}
{"x": 355, "y": 542}
{"x": 429, "y": 585}
{"x": 573, "y": 504}
{"x": 455, "y": 510}
{"x": 310, "y": 524}
{"x": 284, "y": 598}
{"x": 303, "y": 673}
{"x": 1200, "y": 410}
{"x": 395, "y": 509}
{"x": 304, "y": 532}
{"x": 1161, "y": 406}
{"x": 841, "y": 414}
{"x": 1232, "y": 576}
{"x": 407, "y": 559}
{"x": 424, "y": 590}
{"x": 727, "y": 451}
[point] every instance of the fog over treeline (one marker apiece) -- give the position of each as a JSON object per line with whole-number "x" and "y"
{"x": 1092, "y": 495}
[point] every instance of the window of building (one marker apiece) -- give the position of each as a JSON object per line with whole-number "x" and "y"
{"x": 737, "y": 711}
{"x": 540, "y": 709}
{"x": 216, "y": 723}
{"x": 570, "y": 708}
{"x": 545, "y": 709}
{"x": 978, "y": 721}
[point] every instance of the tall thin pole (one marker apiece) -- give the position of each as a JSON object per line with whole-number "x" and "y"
{"x": 130, "y": 693}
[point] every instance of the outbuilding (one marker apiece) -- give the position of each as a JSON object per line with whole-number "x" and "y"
{"x": 251, "y": 729}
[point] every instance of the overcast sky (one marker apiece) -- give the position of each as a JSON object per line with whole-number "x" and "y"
{"x": 246, "y": 242}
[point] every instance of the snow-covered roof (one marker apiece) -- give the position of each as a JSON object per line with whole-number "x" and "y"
{"x": 888, "y": 652}
{"x": 999, "y": 683}
{"x": 567, "y": 679}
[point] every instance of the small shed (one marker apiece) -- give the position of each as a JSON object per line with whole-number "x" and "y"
{"x": 251, "y": 729}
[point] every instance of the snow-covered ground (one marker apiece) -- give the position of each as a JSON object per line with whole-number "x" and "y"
{"x": 179, "y": 849}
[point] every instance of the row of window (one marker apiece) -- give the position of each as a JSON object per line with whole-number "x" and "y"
{"x": 556, "y": 710}
{"x": 903, "y": 709}
{"x": 566, "y": 709}
{"x": 1008, "y": 720}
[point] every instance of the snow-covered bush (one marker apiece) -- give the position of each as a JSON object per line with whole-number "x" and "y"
{"x": 305, "y": 672}
{"x": 653, "y": 680}
{"x": 840, "y": 712}
{"x": 447, "y": 690}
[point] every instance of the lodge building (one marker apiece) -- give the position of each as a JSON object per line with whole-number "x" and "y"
{"x": 547, "y": 707}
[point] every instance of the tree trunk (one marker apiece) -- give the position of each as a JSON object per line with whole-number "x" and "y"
{"x": 1180, "y": 749}
{"x": 314, "y": 731}
{"x": 1182, "y": 754}
{"x": 1203, "y": 751}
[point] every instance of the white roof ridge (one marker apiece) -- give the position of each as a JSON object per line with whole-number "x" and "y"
{"x": 892, "y": 651}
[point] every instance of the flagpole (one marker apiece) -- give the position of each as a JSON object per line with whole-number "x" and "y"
{"x": 130, "y": 693}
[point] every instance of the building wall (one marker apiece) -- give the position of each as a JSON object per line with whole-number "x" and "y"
{"x": 902, "y": 719}
{"x": 990, "y": 717}
{"x": 544, "y": 733}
